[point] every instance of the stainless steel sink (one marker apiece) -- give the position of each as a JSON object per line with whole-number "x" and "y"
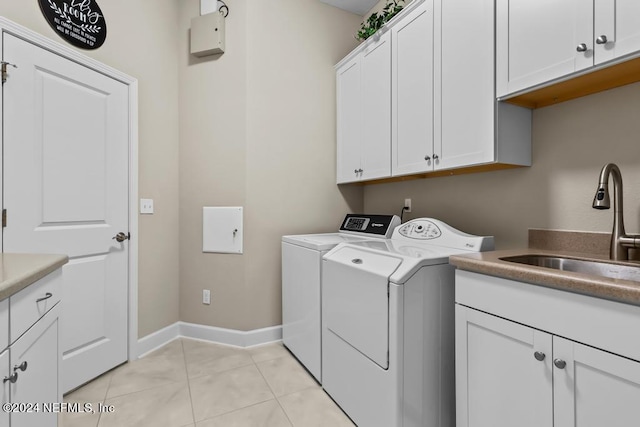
{"x": 595, "y": 268}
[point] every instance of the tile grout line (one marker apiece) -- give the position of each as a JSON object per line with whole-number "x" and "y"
{"x": 277, "y": 399}
{"x": 184, "y": 358}
{"x": 104, "y": 399}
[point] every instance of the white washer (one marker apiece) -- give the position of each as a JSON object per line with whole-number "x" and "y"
{"x": 301, "y": 281}
{"x": 388, "y": 325}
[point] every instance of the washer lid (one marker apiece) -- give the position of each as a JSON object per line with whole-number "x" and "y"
{"x": 322, "y": 242}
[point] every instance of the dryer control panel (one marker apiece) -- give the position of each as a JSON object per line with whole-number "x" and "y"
{"x": 436, "y": 232}
{"x": 421, "y": 229}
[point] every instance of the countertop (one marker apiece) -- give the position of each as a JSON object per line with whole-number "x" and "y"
{"x": 17, "y": 271}
{"x": 625, "y": 291}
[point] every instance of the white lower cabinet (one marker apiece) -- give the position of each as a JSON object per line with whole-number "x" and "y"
{"x": 35, "y": 358}
{"x": 511, "y": 374}
{"x": 4, "y": 373}
{"x": 30, "y": 365}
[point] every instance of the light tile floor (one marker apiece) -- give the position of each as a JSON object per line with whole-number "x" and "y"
{"x": 189, "y": 383}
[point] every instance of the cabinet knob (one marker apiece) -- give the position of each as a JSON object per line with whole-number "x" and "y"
{"x": 539, "y": 355}
{"x": 13, "y": 378}
{"x": 355, "y": 171}
{"x": 582, "y": 47}
{"x": 360, "y": 171}
{"x": 427, "y": 157}
{"x": 602, "y": 39}
{"x": 435, "y": 157}
{"x": 560, "y": 364}
{"x": 22, "y": 367}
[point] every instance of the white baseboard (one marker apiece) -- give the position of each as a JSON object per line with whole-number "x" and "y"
{"x": 208, "y": 333}
{"x": 157, "y": 339}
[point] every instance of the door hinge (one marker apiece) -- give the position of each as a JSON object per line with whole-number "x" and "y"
{"x": 4, "y": 218}
{"x": 3, "y": 70}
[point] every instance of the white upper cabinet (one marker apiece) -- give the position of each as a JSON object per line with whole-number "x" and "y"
{"x": 364, "y": 112}
{"x": 412, "y": 92}
{"x": 349, "y": 120}
{"x": 466, "y": 109}
{"x": 376, "y": 106}
{"x": 541, "y": 41}
{"x": 420, "y": 97}
{"x": 617, "y": 21}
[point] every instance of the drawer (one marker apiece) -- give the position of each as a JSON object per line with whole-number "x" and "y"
{"x": 33, "y": 302}
{"x": 4, "y": 324}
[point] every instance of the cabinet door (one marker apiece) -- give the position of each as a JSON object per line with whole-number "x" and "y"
{"x": 39, "y": 381}
{"x": 499, "y": 381}
{"x": 619, "y": 22}
{"x": 537, "y": 41}
{"x": 349, "y": 121}
{"x": 594, "y": 388}
{"x": 412, "y": 88}
{"x": 376, "y": 105}
{"x": 465, "y": 95}
{"x": 4, "y": 395}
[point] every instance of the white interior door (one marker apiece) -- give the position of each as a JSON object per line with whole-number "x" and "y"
{"x": 66, "y": 191}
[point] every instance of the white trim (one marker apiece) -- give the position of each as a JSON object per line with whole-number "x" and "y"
{"x": 24, "y": 33}
{"x": 211, "y": 334}
{"x": 133, "y": 220}
{"x": 157, "y": 339}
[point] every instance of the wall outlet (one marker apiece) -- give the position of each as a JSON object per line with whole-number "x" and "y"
{"x": 407, "y": 205}
{"x": 206, "y": 296}
{"x": 146, "y": 206}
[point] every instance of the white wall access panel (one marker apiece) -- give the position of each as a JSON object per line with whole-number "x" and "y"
{"x": 222, "y": 229}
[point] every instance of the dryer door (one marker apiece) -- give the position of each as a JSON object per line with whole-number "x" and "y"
{"x": 356, "y": 301}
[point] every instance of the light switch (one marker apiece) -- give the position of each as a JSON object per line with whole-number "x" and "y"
{"x": 146, "y": 206}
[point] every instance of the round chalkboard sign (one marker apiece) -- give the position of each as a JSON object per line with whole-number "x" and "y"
{"x": 80, "y": 22}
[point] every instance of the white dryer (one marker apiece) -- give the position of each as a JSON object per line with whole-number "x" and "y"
{"x": 388, "y": 325}
{"x": 301, "y": 280}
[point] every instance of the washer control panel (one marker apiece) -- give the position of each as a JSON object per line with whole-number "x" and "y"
{"x": 372, "y": 225}
{"x": 421, "y": 229}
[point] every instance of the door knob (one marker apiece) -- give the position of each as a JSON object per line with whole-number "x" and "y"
{"x": 121, "y": 237}
{"x": 581, "y": 47}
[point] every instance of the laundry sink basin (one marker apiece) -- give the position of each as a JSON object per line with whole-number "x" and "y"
{"x": 594, "y": 268}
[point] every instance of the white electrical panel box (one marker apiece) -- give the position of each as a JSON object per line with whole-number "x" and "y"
{"x": 207, "y": 34}
{"x": 222, "y": 230}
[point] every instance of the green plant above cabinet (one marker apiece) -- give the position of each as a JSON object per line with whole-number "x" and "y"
{"x": 376, "y": 20}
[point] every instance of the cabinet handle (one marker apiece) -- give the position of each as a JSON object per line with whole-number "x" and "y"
{"x": 602, "y": 39}
{"x": 581, "y": 47}
{"x": 355, "y": 171}
{"x": 539, "y": 355}
{"x": 360, "y": 171}
{"x": 427, "y": 158}
{"x": 560, "y": 364}
{"x": 13, "y": 378}
{"x": 22, "y": 367}
{"x": 45, "y": 297}
{"x": 435, "y": 157}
